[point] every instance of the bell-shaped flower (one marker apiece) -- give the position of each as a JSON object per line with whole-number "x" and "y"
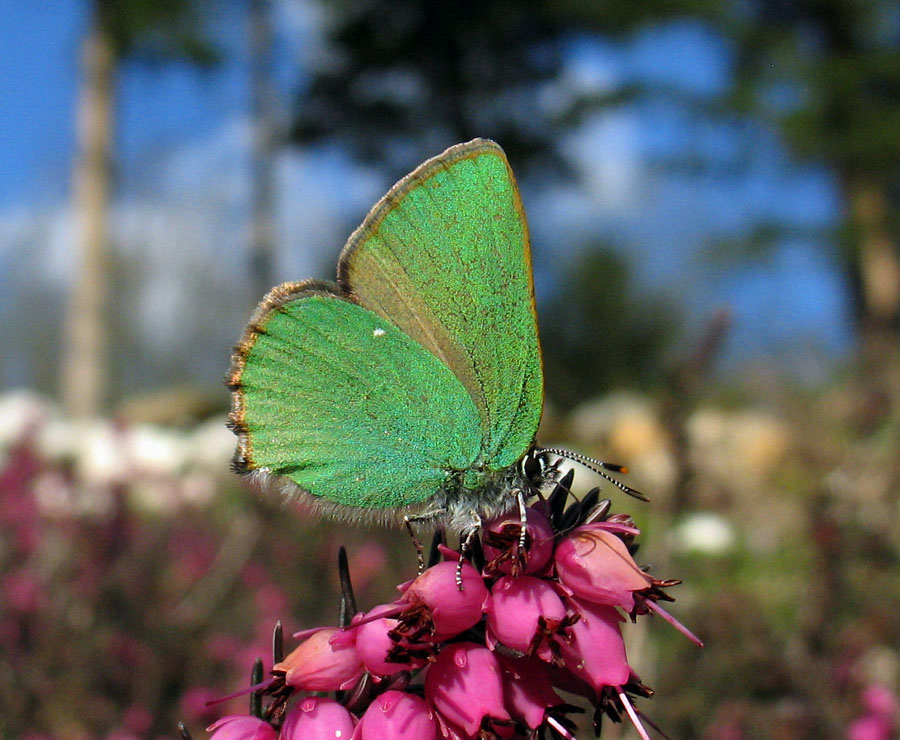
{"x": 382, "y": 651}
{"x": 528, "y": 690}
{"x": 396, "y": 715}
{"x": 452, "y": 609}
{"x": 241, "y": 727}
{"x": 465, "y": 686}
{"x": 325, "y": 661}
{"x": 595, "y": 565}
{"x": 501, "y": 542}
{"x": 595, "y": 650}
{"x": 316, "y": 718}
{"x": 523, "y": 613}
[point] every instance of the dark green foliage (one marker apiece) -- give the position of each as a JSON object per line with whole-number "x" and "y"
{"x": 157, "y": 30}
{"x": 599, "y": 334}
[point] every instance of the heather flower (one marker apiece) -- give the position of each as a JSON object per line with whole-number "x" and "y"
{"x": 240, "y": 727}
{"x": 449, "y": 609}
{"x": 524, "y": 613}
{"x": 315, "y": 718}
{"x": 380, "y": 647}
{"x": 465, "y": 686}
{"x": 397, "y": 715}
{"x": 322, "y": 662}
{"x": 527, "y": 689}
{"x": 502, "y": 537}
{"x": 595, "y": 651}
{"x": 488, "y": 650}
{"x": 595, "y": 565}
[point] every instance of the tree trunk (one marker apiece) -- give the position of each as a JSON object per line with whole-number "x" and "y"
{"x": 84, "y": 362}
{"x": 262, "y": 186}
{"x": 878, "y": 290}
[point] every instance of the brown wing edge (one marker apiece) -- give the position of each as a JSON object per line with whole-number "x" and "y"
{"x": 388, "y": 202}
{"x": 242, "y": 461}
{"x": 274, "y": 300}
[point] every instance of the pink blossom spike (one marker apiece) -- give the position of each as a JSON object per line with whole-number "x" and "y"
{"x": 632, "y": 714}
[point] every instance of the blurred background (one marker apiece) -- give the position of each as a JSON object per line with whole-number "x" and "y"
{"x": 712, "y": 189}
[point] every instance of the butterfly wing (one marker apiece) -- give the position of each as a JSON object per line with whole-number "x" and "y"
{"x": 335, "y": 398}
{"x": 445, "y": 256}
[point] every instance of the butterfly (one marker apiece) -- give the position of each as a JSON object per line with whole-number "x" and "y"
{"x": 412, "y": 386}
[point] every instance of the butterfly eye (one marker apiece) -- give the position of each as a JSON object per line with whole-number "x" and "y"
{"x": 534, "y": 465}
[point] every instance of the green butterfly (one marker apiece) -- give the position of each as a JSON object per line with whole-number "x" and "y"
{"x": 414, "y": 385}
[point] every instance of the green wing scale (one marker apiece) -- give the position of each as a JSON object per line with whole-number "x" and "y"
{"x": 419, "y": 374}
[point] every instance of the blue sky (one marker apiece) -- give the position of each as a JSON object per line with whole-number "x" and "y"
{"x": 181, "y": 167}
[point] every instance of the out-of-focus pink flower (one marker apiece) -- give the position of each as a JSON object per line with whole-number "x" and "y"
{"x": 373, "y": 643}
{"x": 315, "y": 718}
{"x": 465, "y": 685}
{"x": 596, "y": 651}
{"x": 522, "y": 613}
{"x": 241, "y": 727}
{"x": 504, "y": 534}
{"x": 594, "y": 564}
{"x": 396, "y": 715}
{"x": 870, "y": 727}
{"x": 22, "y": 591}
{"x": 527, "y": 689}
{"x": 326, "y": 661}
{"x": 137, "y": 719}
{"x": 880, "y": 719}
{"x": 880, "y": 700}
{"x": 452, "y": 610}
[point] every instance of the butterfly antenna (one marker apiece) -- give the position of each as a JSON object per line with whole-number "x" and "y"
{"x": 599, "y": 467}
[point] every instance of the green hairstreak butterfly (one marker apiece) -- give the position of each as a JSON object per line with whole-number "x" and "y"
{"x": 412, "y": 386}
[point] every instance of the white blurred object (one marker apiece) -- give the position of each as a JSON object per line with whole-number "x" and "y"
{"x": 22, "y": 412}
{"x": 704, "y": 532}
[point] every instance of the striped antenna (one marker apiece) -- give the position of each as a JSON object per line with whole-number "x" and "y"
{"x": 599, "y": 467}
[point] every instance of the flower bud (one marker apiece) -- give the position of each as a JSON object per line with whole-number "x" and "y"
{"x": 326, "y": 661}
{"x": 452, "y": 610}
{"x": 594, "y": 564}
{"x": 396, "y": 715}
{"x": 241, "y": 727}
{"x": 315, "y": 718}
{"x": 464, "y": 684}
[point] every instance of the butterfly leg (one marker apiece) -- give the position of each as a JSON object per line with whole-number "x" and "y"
{"x": 420, "y": 553}
{"x": 465, "y": 545}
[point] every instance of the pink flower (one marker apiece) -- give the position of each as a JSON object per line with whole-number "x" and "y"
{"x": 594, "y": 564}
{"x": 451, "y": 610}
{"x": 396, "y": 715}
{"x": 326, "y": 661}
{"x": 465, "y": 686}
{"x": 375, "y": 645}
{"x": 595, "y": 651}
{"x": 522, "y": 613}
{"x": 501, "y": 543}
{"x": 315, "y": 718}
{"x": 241, "y": 727}
{"x": 527, "y": 690}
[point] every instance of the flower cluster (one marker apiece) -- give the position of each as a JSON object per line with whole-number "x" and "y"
{"x": 479, "y": 647}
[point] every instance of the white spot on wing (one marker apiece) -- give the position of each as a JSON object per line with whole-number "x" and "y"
{"x": 378, "y": 333}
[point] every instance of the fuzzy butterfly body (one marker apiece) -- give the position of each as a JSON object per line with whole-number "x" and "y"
{"x": 413, "y": 385}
